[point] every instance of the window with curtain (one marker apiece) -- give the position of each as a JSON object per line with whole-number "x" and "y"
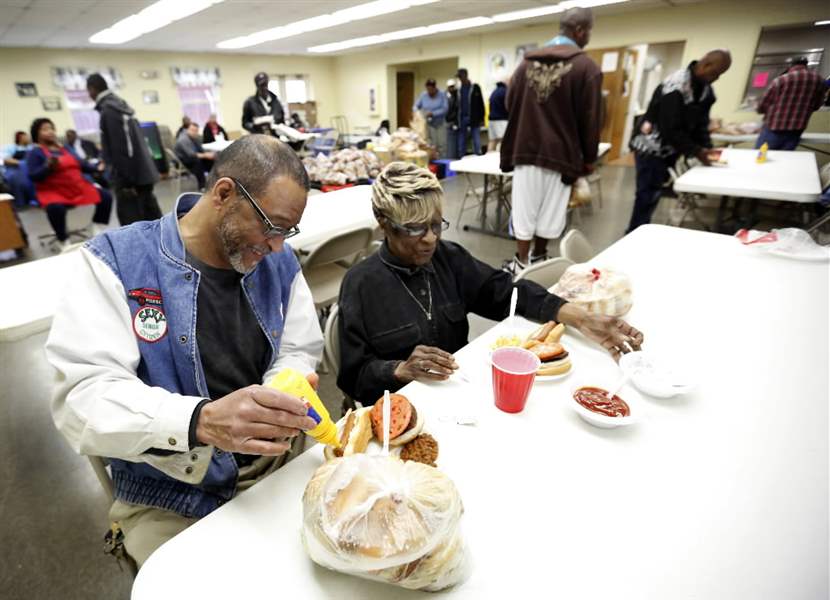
{"x": 72, "y": 80}
{"x": 198, "y": 92}
{"x": 82, "y": 109}
{"x": 294, "y": 89}
{"x": 199, "y": 102}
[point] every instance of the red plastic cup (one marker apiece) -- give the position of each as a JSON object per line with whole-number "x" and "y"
{"x": 514, "y": 370}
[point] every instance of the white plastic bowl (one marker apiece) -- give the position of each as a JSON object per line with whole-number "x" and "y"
{"x": 653, "y": 377}
{"x": 627, "y": 393}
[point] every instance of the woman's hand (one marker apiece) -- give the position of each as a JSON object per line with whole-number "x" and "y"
{"x": 612, "y": 333}
{"x": 426, "y": 362}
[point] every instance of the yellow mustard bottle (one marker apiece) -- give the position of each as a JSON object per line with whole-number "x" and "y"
{"x": 762, "y": 153}
{"x": 294, "y": 383}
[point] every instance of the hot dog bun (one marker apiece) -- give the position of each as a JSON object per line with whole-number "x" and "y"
{"x": 356, "y": 432}
{"x": 555, "y": 367}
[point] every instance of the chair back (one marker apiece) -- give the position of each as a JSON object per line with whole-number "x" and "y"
{"x": 547, "y": 272}
{"x": 166, "y": 136}
{"x": 331, "y": 337}
{"x": 344, "y": 246}
{"x": 100, "y": 468}
{"x": 576, "y": 247}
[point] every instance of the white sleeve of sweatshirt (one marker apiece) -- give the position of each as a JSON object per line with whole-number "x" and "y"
{"x": 101, "y": 406}
{"x": 301, "y": 346}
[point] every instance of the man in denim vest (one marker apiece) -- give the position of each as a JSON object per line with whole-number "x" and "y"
{"x": 166, "y": 334}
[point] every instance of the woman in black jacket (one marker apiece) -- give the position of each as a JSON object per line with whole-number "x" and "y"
{"x": 403, "y": 311}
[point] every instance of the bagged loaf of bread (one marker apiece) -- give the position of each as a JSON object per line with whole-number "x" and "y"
{"x": 601, "y": 291}
{"x": 384, "y": 519}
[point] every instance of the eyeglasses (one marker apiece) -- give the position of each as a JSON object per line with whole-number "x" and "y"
{"x": 271, "y": 230}
{"x": 420, "y": 229}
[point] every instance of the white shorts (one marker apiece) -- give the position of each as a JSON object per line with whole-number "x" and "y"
{"x": 540, "y": 203}
{"x": 496, "y": 129}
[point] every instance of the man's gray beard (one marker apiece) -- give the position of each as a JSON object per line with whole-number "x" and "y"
{"x": 228, "y": 234}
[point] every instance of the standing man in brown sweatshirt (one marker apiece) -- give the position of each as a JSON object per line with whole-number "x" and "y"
{"x": 554, "y": 101}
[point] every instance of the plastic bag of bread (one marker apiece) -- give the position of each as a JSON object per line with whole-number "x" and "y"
{"x": 384, "y": 519}
{"x": 601, "y": 291}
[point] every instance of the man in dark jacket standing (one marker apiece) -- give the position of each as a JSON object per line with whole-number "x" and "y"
{"x": 676, "y": 122}
{"x": 263, "y": 109}
{"x": 470, "y": 113}
{"x": 452, "y": 119}
{"x": 552, "y": 136}
{"x": 125, "y": 153}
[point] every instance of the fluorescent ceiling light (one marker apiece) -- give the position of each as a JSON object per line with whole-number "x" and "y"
{"x": 527, "y": 14}
{"x": 403, "y": 34}
{"x": 347, "y": 15}
{"x": 822, "y": 22}
{"x": 155, "y": 16}
{"x": 458, "y": 25}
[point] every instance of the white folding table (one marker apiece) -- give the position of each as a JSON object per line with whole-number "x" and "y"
{"x": 488, "y": 166}
{"x": 785, "y": 176}
{"x": 217, "y": 145}
{"x": 32, "y": 289}
{"x": 814, "y": 137}
{"x": 721, "y": 494}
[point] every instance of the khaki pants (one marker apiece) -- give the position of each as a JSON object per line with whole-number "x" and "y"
{"x": 438, "y": 137}
{"x": 146, "y": 528}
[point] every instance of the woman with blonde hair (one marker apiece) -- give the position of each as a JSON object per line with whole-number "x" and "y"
{"x": 403, "y": 310}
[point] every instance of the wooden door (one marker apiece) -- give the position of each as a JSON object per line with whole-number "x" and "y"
{"x": 406, "y": 96}
{"x": 618, "y": 66}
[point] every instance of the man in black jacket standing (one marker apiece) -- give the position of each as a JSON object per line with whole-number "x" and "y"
{"x": 470, "y": 113}
{"x": 263, "y": 109}
{"x": 676, "y": 122}
{"x": 452, "y": 119}
{"x": 124, "y": 150}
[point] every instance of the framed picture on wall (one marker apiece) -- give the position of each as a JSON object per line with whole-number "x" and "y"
{"x": 26, "y": 90}
{"x": 51, "y": 103}
{"x": 522, "y": 50}
{"x": 150, "y": 96}
{"x": 373, "y": 100}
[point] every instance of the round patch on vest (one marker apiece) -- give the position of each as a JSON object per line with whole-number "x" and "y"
{"x": 150, "y": 324}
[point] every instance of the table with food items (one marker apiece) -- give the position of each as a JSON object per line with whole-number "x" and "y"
{"x": 739, "y": 174}
{"x": 696, "y": 467}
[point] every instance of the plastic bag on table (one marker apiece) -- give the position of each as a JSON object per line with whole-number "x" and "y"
{"x": 601, "y": 291}
{"x": 384, "y": 519}
{"x": 789, "y": 241}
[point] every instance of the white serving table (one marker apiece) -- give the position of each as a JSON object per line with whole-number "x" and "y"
{"x": 217, "y": 145}
{"x": 786, "y": 176}
{"x": 721, "y": 494}
{"x": 488, "y": 166}
{"x": 808, "y": 136}
{"x": 34, "y": 288}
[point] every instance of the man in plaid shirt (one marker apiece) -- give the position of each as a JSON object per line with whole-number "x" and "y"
{"x": 788, "y": 104}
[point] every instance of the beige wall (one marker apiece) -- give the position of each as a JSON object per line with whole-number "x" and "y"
{"x": 735, "y": 24}
{"x": 33, "y": 64}
{"x": 341, "y": 84}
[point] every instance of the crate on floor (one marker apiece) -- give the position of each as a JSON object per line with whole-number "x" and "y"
{"x": 444, "y": 163}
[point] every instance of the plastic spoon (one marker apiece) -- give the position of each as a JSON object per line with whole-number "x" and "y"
{"x": 387, "y": 418}
{"x": 514, "y": 299}
{"x": 618, "y": 387}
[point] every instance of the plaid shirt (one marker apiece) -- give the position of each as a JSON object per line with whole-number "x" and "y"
{"x": 791, "y": 99}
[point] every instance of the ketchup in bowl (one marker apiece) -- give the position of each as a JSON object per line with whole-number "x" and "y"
{"x": 596, "y": 400}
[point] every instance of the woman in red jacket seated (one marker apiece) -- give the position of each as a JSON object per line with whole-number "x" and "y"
{"x": 57, "y": 176}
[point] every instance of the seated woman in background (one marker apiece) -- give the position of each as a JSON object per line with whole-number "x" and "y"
{"x": 403, "y": 310}
{"x": 59, "y": 182}
{"x": 14, "y": 170}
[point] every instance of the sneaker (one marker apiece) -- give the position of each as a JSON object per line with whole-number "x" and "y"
{"x": 538, "y": 259}
{"x": 514, "y": 266}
